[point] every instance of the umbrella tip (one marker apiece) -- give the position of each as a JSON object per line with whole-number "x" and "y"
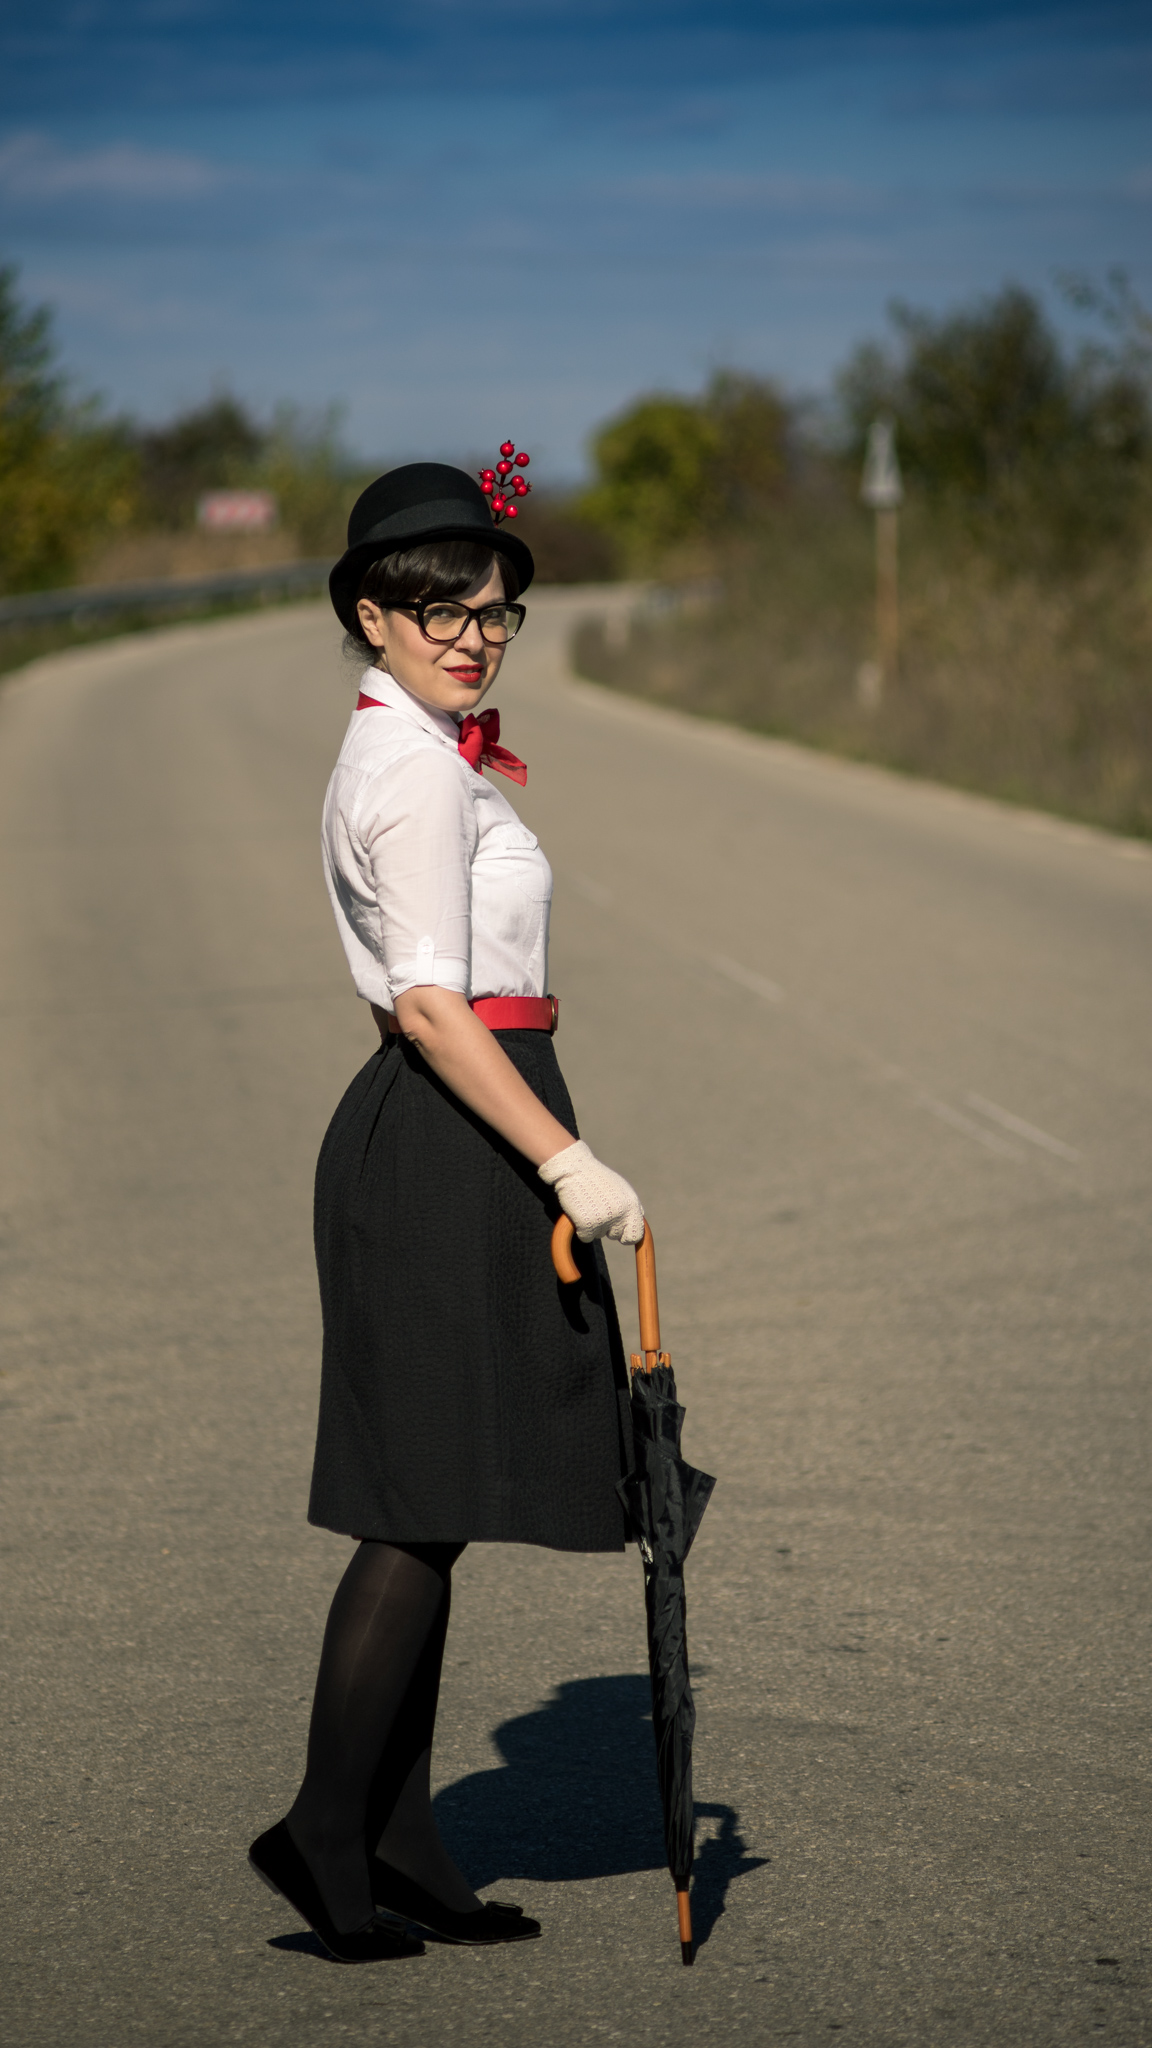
{"x": 684, "y": 1915}
{"x": 688, "y": 1953}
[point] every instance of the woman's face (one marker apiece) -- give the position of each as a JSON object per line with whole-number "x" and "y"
{"x": 452, "y": 675}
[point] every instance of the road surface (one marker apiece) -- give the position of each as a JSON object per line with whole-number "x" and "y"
{"x": 876, "y": 1056}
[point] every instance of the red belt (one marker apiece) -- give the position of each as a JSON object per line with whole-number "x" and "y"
{"x": 511, "y": 1013}
{"x": 518, "y": 1013}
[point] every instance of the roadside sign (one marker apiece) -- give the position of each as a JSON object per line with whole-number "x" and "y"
{"x": 881, "y": 488}
{"x": 237, "y": 512}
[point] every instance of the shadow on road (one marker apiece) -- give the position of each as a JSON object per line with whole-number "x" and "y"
{"x": 576, "y": 1799}
{"x": 718, "y": 1860}
{"x": 305, "y": 1943}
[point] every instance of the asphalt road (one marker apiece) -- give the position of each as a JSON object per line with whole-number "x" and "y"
{"x": 876, "y": 1057}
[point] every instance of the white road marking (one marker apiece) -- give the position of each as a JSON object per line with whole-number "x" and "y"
{"x": 759, "y": 984}
{"x": 948, "y": 1115}
{"x": 771, "y": 992}
{"x": 1017, "y": 1124}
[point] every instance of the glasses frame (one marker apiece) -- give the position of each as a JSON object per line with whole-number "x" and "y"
{"x": 420, "y": 605}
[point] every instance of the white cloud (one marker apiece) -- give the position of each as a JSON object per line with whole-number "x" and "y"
{"x": 34, "y": 166}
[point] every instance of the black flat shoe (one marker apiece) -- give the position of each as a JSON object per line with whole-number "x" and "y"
{"x": 278, "y": 1863}
{"x": 395, "y": 1893}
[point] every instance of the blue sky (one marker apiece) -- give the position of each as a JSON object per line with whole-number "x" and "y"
{"x": 459, "y": 221}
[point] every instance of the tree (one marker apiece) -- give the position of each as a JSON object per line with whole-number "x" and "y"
{"x": 754, "y": 427}
{"x": 653, "y": 475}
{"x": 670, "y": 468}
{"x": 311, "y": 476}
{"x": 208, "y": 448}
{"x": 65, "y": 474}
{"x": 1037, "y": 447}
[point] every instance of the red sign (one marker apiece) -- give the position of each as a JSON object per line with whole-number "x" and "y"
{"x": 237, "y": 511}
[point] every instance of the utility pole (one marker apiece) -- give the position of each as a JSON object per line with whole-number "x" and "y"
{"x": 883, "y": 492}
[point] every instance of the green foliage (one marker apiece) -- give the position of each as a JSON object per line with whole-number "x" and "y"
{"x": 213, "y": 447}
{"x": 303, "y": 462}
{"x": 32, "y": 388}
{"x": 220, "y": 446}
{"x": 1031, "y": 687}
{"x": 566, "y": 546}
{"x": 1044, "y": 452}
{"x": 653, "y": 476}
{"x": 66, "y": 475}
{"x": 1025, "y": 559}
{"x": 754, "y": 426}
{"x": 669, "y": 469}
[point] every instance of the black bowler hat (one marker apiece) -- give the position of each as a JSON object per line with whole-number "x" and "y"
{"x": 419, "y": 502}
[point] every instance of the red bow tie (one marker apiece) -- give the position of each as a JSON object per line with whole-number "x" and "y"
{"x": 477, "y": 742}
{"x": 478, "y": 737}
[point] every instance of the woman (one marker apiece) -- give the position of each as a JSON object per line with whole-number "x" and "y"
{"x": 465, "y": 1396}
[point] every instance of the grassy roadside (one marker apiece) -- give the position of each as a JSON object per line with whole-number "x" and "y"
{"x": 1031, "y": 689}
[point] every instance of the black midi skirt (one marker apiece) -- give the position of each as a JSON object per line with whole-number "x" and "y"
{"x": 466, "y": 1396}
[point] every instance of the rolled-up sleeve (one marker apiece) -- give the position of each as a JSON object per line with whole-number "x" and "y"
{"x": 418, "y": 826}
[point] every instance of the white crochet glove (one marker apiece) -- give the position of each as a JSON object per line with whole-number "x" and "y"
{"x": 600, "y": 1202}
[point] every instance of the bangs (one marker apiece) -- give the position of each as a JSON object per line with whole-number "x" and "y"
{"x": 440, "y": 568}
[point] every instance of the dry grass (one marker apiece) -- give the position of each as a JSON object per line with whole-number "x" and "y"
{"x": 141, "y": 557}
{"x": 1034, "y": 689}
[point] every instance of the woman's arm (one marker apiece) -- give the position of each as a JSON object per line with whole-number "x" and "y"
{"x": 463, "y": 1052}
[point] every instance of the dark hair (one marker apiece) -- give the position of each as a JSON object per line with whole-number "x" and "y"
{"x": 440, "y": 568}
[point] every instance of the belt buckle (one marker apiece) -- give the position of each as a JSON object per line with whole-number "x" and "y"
{"x": 555, "y": 1024}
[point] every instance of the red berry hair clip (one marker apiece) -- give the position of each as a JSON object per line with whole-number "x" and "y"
{"x": 502, "y": 484}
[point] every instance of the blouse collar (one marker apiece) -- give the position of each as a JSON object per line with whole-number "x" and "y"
{"x": 377, "y": 683}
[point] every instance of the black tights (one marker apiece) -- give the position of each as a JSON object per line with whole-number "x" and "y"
{"x": 366, "y": 1786}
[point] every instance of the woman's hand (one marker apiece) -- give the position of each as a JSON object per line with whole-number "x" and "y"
{"x": 600, "y": 1203}
{"x": 463, "y": 1052}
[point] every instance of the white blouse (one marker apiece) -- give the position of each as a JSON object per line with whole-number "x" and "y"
{"x": 431, "y": 875}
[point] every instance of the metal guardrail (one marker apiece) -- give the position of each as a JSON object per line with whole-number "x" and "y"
{"x": 101, "y": 600}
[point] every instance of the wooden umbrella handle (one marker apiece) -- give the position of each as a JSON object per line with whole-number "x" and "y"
{"x": 567, "y": 1270}
{"x": 646, "y": 1297}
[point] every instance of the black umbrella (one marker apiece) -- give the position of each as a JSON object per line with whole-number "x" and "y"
{"x": 665, "y": 1499}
